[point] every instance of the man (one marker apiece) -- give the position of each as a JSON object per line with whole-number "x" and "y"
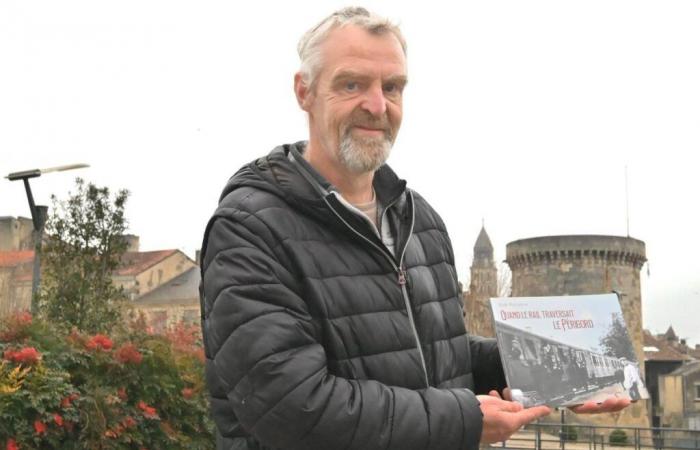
{"x": 632, "y": 381}
{"x": 331, "y": 308}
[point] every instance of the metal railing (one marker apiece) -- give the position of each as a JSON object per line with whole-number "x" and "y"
{"x": 555, "y": 436}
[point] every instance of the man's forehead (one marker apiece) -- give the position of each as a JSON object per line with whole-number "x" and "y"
{"x": 351, "y": 48}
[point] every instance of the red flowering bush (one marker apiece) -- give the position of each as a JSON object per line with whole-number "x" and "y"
{"x": 99, "y": 342}
{"x": 15, "y": 327}
{"x": 128, "y": 354}
{"x": 26, "y": 355}
{"x": 67, "y": 390}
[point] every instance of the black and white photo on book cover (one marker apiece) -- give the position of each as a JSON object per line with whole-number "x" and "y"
{"x": 563, "y": 351}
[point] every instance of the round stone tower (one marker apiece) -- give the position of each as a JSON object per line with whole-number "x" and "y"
{"x": 586, "y": 264}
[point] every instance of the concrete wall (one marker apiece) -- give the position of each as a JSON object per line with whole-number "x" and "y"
{"x": 586, "y": 264}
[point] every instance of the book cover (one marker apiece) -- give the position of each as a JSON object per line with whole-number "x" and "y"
{"x": 564, "y": 351}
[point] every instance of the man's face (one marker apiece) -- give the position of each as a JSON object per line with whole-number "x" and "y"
{"x": 355, "y": 106}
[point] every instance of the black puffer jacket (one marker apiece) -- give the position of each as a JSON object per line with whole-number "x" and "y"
{"x": 308, "y": 338}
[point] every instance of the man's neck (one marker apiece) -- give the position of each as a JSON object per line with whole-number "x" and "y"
{"x": 354, "y": 187}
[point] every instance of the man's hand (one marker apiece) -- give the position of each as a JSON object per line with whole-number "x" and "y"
{"x": 611, "y": 404}
{"x": 502, "y": 418}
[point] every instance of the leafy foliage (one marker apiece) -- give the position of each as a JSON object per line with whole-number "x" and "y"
{"x": 127, "y": 390}
{"x": 84, "y": 246}
{"x": 615, "y": 342}
{"x": 618, "y": 437}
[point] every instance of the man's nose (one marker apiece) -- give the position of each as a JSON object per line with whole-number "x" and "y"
{"x": 374, "y": 101}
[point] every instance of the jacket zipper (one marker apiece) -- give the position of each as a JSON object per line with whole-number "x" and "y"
{"x": 401, "y": 273}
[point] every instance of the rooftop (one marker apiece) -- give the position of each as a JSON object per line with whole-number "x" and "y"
{"x": 181, "y": 290}
{"x": 134, "y": 263}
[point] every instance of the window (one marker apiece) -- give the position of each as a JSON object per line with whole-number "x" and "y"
{"x": 697, "y": 392}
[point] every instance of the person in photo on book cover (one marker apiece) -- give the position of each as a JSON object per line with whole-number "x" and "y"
{"x": 332, "y": 313}
{"x": 632, "y": 382}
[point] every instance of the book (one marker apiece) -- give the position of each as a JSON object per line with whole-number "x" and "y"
{"x": 567, "y": 350}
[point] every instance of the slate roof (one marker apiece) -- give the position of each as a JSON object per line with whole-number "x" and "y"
{"x": 181, "y": 290}
{"x": 664, "y": 349}
{"x": 483, "y": 242}
{"x": 687, "y": 368}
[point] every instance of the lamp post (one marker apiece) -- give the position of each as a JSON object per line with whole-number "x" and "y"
{"x": 39, "y": 214}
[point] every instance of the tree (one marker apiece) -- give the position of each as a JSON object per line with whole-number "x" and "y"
{"x": 616, "y": 341}
{"x": 504, "y": 283}
{"x": 84, "y": 246}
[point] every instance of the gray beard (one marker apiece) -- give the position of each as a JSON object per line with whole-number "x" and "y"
{"x": 361, "y": 155}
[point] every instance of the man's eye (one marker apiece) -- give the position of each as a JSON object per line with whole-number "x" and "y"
{"x": 390, "y": 88}
{"x": 351, "y": 86}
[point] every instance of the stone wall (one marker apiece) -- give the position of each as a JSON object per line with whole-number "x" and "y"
{"x": 16, "y": 233}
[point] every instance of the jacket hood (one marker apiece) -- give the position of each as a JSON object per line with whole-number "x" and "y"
{"x": 277, "y": 174}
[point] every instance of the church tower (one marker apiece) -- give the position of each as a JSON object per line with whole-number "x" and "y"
{"x": 483, "y": 285}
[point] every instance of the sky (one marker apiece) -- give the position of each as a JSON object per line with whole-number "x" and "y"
{"x": 525, "y": 115}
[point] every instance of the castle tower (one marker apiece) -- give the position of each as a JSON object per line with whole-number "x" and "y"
{"x": 586, "y": 264}
{"x": 483, "y": 286}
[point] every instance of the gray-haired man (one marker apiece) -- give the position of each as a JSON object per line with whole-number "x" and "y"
{"x": 332, "y": 311}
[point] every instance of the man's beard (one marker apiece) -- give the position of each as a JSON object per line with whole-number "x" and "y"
{"x": 366, "y": 153}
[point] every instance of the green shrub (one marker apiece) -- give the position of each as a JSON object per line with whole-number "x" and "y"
{"x": 618, "y": 437}
{"x": 73, "y": 391}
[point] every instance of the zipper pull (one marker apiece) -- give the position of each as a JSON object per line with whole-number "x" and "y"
{"x": 402, "y": 277}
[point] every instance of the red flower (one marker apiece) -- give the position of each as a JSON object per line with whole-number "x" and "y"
{"x": 58, "y": 419}
{"x": 26, "y": 355}
{"x": 121, "y": 393}
{"x": 128, "y": 422}
{"x": 128, "y": 353}
{"x": 39, "y": 427}
{"x": 149, "y": 412}
{"x": 188, "y": 393}
{"x": 99, "y": 342}
{"x": 12, "y": 444}
{"x": 66, "y": 402}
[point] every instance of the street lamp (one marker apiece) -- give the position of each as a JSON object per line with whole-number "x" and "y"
{"x": 39, "y": 213}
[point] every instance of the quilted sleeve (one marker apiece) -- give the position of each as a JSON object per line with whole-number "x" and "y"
{"x": 487, "y": 365}
{"x": 267, "y": 358}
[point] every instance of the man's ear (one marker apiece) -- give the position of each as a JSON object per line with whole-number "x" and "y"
{"x": 303, "y": 93}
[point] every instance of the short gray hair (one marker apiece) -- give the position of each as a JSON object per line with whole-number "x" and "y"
{"x": 310, "y": 43}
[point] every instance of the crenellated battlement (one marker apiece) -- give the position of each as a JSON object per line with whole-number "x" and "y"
{"x": 592, "y": 249}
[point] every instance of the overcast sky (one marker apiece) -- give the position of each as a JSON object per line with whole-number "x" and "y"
{"x": 524, "y": 114}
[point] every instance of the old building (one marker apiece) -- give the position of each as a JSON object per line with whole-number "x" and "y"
{"x": 661, "y": 357}
{"x": 15, "y": 280}
{"x": 586, "y": 264}
{"x": 16, "y": 233}
{"x": 176, "y": 301}
{"x": 483, "y": 285}
{"x": 679, "y": 397}
{"x": 162, "y": 284}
